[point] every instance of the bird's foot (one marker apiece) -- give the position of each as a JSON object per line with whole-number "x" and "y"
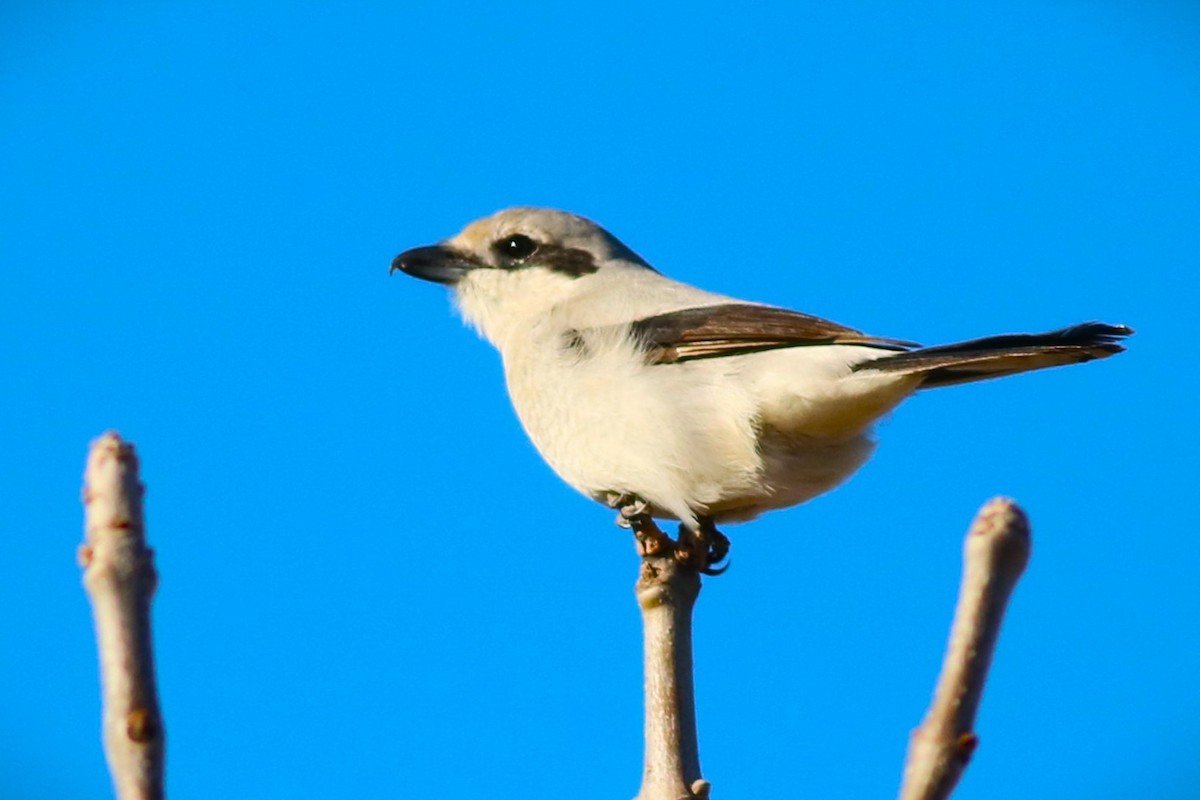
{"x": 718, "y": 543}
{"x": 634, "y": 513}
{"x": 703, "y": 548}
{"x": 630, "y": 508}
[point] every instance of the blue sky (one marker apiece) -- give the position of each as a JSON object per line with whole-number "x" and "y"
{"x": 370, "y": 584}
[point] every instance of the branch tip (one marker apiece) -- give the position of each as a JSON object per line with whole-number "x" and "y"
{"x": 120, "y": 580}
{"x": 995, "y": 554}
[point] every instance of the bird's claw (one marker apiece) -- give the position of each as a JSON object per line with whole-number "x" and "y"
{"x": 703, "y": 549}
{"x": 631, "y": 509}
{"x": 718, "y": 547}
{"x": 634, "y": 512}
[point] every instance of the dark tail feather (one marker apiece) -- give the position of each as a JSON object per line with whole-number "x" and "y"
{"x": 996, "y": 356}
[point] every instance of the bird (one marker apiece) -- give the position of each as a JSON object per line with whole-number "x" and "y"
{"x": 663, "y": 400}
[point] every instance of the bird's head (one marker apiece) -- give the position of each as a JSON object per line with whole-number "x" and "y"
{"x": 517, "y": 265}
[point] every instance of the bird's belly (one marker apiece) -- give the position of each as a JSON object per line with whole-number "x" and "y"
{"x": 795, "y": 470}
{"x": 681, "y": 444}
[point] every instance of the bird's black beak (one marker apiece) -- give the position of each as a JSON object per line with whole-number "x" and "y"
{"x": 436, "y": 263}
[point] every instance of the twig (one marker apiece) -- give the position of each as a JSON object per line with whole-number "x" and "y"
{"x": 119, "y": 576}
{"x": 666, "y": 590}
{"x": 995, "y": 554}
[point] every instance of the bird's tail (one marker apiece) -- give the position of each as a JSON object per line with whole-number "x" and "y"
{"x": 997, "y": 356}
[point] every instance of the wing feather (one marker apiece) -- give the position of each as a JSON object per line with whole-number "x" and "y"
{"x": 735, "y": 329}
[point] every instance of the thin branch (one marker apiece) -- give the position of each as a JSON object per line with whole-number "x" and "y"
{"x": 666, "y": 591}
{"x": 995, "y": 554}
{"x": 119, "y": 576}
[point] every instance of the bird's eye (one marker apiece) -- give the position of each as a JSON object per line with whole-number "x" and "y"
{"x": 516, "y": 247}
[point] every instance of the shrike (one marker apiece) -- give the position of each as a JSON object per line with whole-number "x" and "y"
{"x": 668, "y": 401}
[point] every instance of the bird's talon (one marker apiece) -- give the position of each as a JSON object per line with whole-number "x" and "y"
{"x": 718, "y": 545}
{"x": 707, "y": 547}
{"x": 633, "y": 512}
{"x": 634, "y": 507}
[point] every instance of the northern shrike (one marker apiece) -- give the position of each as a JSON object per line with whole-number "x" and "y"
{"x": 668, "y": 401}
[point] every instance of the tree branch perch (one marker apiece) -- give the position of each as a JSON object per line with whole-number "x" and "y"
{"x": 666, "y": 590}
{"x": 119, "y": 577}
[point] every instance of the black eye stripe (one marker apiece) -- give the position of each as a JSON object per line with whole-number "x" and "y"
{"x": 518, "y": 251}
{"x": 569, "y": 261}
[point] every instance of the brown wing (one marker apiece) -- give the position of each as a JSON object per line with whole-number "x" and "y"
{"x": 736, "y": 329}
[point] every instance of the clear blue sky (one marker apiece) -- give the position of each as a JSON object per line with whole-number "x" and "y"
{"x": 373, "y": 588}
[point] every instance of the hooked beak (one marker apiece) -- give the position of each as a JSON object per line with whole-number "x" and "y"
{"x": 436, "y": 263}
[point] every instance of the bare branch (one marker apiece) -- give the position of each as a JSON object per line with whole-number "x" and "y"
{"x": 666, "y": 591}
{"x": 119, "y": 576}
{"x": 995, "y": 554}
